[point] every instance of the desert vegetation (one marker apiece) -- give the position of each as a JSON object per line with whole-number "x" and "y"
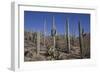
{"x": 40, "y": 47}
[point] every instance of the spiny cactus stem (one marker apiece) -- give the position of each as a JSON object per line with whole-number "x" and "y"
{"x": 80, "y": 40}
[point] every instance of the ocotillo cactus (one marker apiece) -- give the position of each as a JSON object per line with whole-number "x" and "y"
{"x": 80, "y": 39}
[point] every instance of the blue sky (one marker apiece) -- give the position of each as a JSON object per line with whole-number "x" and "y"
{"x": 34, "y": 21}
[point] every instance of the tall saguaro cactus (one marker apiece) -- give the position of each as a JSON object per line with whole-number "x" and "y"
{"x": 73, "y": 35}
{"x": 52, "y": 51}
{"x": 38, "y": 43}
{"x": 67, "y": 36}
{"x": 53, "y": 32}
{"x": 80, "y": 39}
{"x": 44, "y": 31}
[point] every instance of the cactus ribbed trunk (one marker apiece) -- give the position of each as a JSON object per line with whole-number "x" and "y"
{"x": 38, "y": 43}
{"x": 67, "y": 36}
{"x": 44, "y": 31}
{"x": 73, "y": 36}
{"x": 53, "y": 32}
{"x": 80, "y": 39}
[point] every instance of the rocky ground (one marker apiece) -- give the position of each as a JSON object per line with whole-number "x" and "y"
{"x": 47, "y": 52}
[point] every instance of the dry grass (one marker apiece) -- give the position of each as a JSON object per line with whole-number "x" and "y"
{"x": 60, "y": 53}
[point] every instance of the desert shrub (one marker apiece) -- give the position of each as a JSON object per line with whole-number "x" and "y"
{"x": 28, "y": 54}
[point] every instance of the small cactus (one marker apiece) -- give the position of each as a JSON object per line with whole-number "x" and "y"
{"x": 53, "y": 53}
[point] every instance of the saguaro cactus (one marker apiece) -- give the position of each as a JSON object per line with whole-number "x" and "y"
{"x": 73, "y": 36}
{"x": 52, "y": 50}
{"x": 81, "y": 39}
{"x": 44, "y": 31}
{"x": 53, "y": 32}
{"x": 67, "y": 36}
{"x": 38, "y": 43}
